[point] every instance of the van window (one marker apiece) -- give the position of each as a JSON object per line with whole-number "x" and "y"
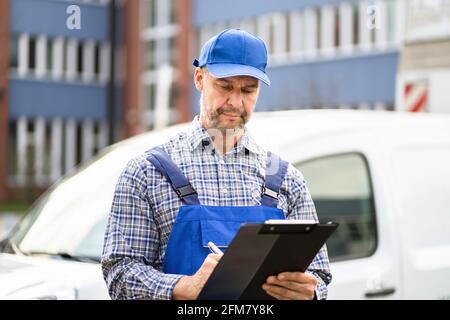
{"x": 341, "y": 190}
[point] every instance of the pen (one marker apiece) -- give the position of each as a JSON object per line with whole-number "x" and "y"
{"x": 214, "y": 248}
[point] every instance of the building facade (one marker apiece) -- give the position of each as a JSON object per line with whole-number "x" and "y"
{"x": 57, "y": 88}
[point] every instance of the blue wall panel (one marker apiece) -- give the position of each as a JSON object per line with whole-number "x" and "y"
{"x": 328, "y": 83}
{"x": 210, "y": 11}
{"x": 49, "y": 17}
{"x": 33, "y": 98}
{"x": 369, "y": 79}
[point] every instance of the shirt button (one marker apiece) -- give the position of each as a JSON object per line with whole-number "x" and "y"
{"x": 225, "y": 190}
{"x": 222, "y": 162}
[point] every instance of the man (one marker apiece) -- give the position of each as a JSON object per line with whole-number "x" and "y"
{"x": 214, "y": 173}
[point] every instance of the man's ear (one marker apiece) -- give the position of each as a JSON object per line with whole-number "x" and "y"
{"x": 198, "y": 78}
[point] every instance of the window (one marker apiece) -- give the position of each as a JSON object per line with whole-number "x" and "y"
{"x": 97, "y": 54}
{"x": 356, "y": 25}
{"x": 149, "y": 55}
{"x": 79, "y": 62}
{"x": 32, "y": 53}
{"x": 14, "y": 52}
{"x": 341, "y": 189}
{"x": 173, "y": 11}
{"x": 337, "y": 31}
{"x": 150, "y": 13}
{"x": 49, "y": 55}
{"x": 173, "y": 49}
{"x": 150, "y": 98}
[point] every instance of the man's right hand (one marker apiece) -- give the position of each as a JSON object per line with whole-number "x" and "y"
{"x": 189, "y": 287}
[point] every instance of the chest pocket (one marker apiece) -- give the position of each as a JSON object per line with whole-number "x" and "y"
{"x": 219, "y": 232}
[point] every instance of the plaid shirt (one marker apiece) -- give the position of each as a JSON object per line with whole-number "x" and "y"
{"x": 145, "y": 207}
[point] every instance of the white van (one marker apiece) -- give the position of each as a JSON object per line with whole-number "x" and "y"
{"x": 384, "y": 176}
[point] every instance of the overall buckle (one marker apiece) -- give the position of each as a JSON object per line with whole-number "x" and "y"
{"x": 270, "y": 193}
{"x": 185, "y": 191}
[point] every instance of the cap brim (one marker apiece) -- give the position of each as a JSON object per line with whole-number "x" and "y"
{"x": 223, "y": 70}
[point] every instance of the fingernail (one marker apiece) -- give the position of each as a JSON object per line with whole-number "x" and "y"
{"x": 281, "y": 277}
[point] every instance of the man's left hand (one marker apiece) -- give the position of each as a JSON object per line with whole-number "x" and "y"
{"x": 291, "y": 286}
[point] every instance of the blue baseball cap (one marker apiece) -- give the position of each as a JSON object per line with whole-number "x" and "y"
{"x": 234, "y": 52}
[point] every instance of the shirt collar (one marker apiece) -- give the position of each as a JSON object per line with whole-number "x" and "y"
{"x": 249, "y": 143}
{"x": 197, "y": 134}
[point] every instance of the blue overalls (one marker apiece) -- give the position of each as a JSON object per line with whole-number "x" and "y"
{"x": 197, "y": 224}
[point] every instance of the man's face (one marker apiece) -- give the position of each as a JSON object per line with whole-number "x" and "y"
{"x": 226, "y": 103}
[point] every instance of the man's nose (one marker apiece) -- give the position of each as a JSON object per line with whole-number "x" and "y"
{"x": 236, "y": 99}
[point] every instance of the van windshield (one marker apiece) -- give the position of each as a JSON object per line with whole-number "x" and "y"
{"x": 70, "y": 219}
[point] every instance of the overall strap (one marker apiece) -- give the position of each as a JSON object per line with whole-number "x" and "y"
{"x": 275, "y": 172}
{"x": 180, "y": 184}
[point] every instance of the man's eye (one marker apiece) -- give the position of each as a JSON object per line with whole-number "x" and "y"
{"x": 225, "y": 87}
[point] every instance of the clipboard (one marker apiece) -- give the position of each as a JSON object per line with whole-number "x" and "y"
{"x": 261, "y": 250}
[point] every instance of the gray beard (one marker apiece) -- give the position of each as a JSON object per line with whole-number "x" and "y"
{"x": 212, "y": 120}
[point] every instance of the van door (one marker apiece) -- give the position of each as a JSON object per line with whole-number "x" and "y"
{"x": 363, "y": 264}
{"x": 422, "y": 180}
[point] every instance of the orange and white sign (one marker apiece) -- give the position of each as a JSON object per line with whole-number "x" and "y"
{"x": 415, "y": 96}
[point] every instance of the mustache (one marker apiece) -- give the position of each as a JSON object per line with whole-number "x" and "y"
{"x": 221, "y": 110}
